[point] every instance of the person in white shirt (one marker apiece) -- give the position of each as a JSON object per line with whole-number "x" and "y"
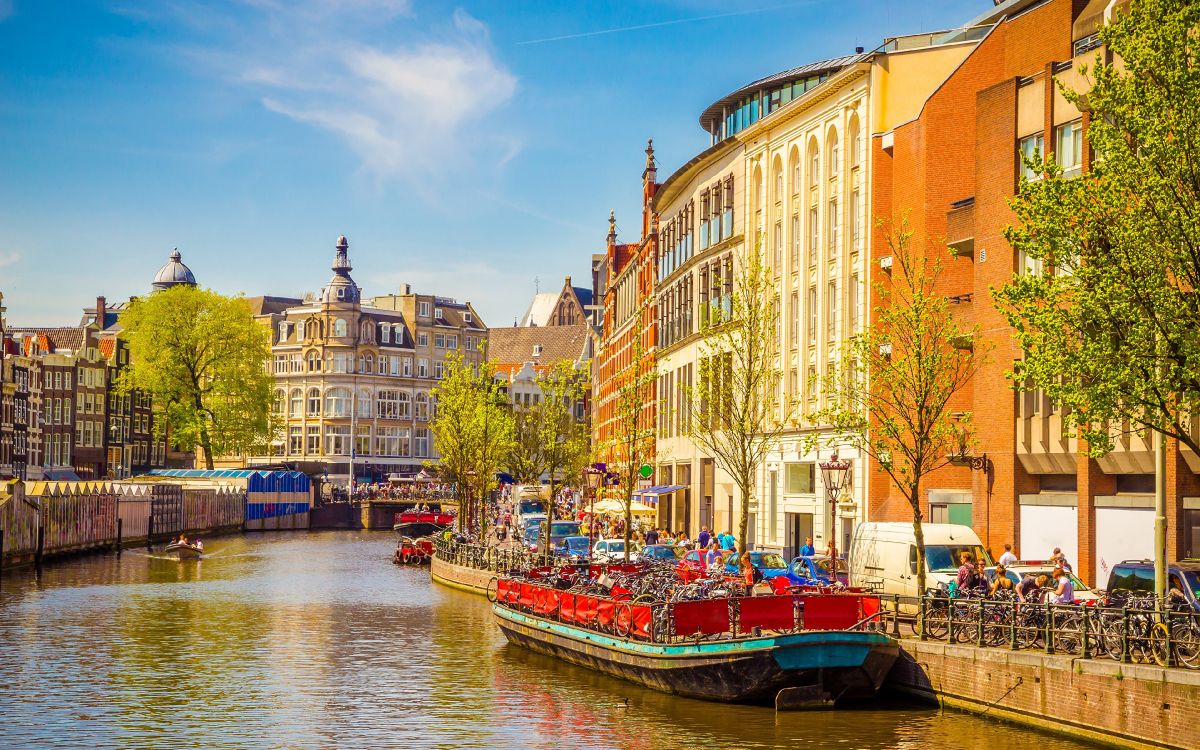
{"x": 1008, "y": 558}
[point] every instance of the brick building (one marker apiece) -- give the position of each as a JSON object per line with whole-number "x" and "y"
{"x": 952, "y": 171}
{"x": 629, "y": 315}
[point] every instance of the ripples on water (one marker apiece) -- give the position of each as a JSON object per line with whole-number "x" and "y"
{"x": 315, "y": 640}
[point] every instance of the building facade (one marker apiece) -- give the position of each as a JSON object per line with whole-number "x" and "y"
{"x": 355, "y": 376}
{"x": 952, "y": 171}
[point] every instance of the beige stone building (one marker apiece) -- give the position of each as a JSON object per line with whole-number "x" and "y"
{"x": 354, "y": 376}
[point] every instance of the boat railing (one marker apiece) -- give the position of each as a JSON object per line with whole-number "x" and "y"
{"x": 695, "y": 621}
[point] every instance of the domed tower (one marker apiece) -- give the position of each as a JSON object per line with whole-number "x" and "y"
{"x": 174, "y": 272}
{"x": 341, "y": 288}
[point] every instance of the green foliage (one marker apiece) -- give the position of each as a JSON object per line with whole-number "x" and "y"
{"x": 1109, "y": 323}
{"x": 736, "y": 411}
{"x": 473, "y": 433}
{"x": 203, "y": 359}
{"x": 917, "y": 356}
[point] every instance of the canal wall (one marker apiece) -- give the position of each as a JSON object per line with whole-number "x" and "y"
{"x": 460, "y": 577}
{"x": 1126, "y": 705}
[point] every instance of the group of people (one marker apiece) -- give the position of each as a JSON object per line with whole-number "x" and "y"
{"x": 972, "y": 576}
{"x": 182, "y": 539}
{"x": 363, "y": 491}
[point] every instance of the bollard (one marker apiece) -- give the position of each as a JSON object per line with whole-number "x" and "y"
{"x": 895, "y": 615}
{"x": 1049, "y": 629}
{"x": 1085, "y": 648}
{"x": 120, "y": 527}
{"x": 41, "y": 547}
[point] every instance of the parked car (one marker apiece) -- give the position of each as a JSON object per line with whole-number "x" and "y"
{"x": 819, "y": 569}
{"x": 1018, "y": 570}
{"x": 662, "y": 552}
{"x": 883, "y": 556}
{"x": 608, "y": 550}
{"x": 692, "y": 565}
{"x": 771, "y": 564}
{"x": 1138, "y": 575}
{"x": 573, "y": 547}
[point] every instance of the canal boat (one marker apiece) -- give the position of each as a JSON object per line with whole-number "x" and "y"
{"x": 183, "y": 550}
{"x": 421, "y": 523}
{"x": 794, "y": 651}
{"x": 411, "y": 551}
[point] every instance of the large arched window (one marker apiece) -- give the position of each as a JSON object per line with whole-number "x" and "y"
{"x": 423, "y": 406}
{"x": 814, "y": 166}
{"x": 296, "y": 403}
{"x": 337, "y": 402}
{"x": 405, "y": 402}
{"x": 855, "y": 143}
{"x": 387, "y": 404}
{"x": 339, "y": 327}
{"x": 364, "y": 403}
{"x": 314, "y": 362}
{"x": 314, "y": 401}
{"x": 833, "y": 153}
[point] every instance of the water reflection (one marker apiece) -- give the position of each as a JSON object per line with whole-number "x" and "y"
{"x": 316, "y": 640}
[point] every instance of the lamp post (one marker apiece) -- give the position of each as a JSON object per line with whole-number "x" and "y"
{"x": 594, "y": 474}
{"x": 833, "y": 474}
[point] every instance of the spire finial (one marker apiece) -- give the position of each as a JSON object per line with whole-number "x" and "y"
{"x": 612, "y": 227}
{"x": 341, "y": 259}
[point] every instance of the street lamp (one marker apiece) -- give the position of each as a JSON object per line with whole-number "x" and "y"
{"x": 594, "y": 474}
{"x": 834, "y": 474}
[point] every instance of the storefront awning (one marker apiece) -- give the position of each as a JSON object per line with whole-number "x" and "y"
{"x": 650, "y": 495}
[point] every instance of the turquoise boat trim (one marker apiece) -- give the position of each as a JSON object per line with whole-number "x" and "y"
{"x": 829, "y": 655}
{"x": 842, "y": 644}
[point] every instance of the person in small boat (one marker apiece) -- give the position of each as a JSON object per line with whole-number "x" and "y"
{"x": 183, "y": 539}
{"x": 199, "y": 545}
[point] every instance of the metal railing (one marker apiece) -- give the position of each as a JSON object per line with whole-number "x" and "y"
{"x": 484, "y": 557}
{"x": 1134, "y": 633}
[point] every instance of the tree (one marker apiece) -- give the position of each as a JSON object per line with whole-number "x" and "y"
{"x": 203, "y": 359}
{"x": 917, "y": 356}
{"x": 1107, "y": 312}
{"x": 473, "y": 434}
{"x": 736, "y": 412}
{"x": 632, "y": 445}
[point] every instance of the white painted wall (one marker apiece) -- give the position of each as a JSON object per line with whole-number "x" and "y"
{"x": 1122, "y": 534}
{"x": 1044, "y": 527}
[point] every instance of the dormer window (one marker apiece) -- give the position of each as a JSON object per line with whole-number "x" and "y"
{"x": 341, "y": 293}
{"x": 537, "y": 350}
{"x": 423, "y": 309}
{"x": 467, "y": 318}
{"x": 437, "y": 312}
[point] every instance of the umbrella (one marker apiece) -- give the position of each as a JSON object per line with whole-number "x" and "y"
{"x": 617, "y": 506}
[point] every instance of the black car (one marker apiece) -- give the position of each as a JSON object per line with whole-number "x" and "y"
{"x": 1138, "y": 575}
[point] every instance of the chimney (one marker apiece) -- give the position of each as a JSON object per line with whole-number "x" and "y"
{"x": 100, "y": 308}
{"x": 858, "y": 50}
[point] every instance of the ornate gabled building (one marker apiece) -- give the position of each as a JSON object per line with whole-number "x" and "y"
{"x": 355, "y": 376}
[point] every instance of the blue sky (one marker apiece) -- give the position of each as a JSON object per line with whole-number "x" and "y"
{"x": 456, "y": 148}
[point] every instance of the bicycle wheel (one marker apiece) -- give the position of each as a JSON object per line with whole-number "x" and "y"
{"x": 1185, "y": 637}
{"x": 493, "y": 588}
{"x": 1067, "y": 633}
{"x": 937, "y": 623}
{"x": 965, "y": 625}
{"x": 623, "y": 620}
{"x": 1159, "y": 644}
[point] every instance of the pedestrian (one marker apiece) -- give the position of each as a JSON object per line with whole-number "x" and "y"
{"x": 966, "y": 571}
{"x": 746, "y": 568}
{"x": 703, "y": 538}
{"x": 727, "y": 541}
{"x": 807, "y": 550}
{"x": 1002, "y": 581}
{"x": 1008, "y": 558}
{"x": 681, "y": 539}
{"x": 1029, "y": 585}
{"x": 832, "y": 552}
{"x": 652, "y": 536}
{"x": 1064, "y": 589}
{"x": 1059, "y": 559}
{"x": 712, "y": 558}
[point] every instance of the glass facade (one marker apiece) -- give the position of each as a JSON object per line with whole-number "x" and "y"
{"x": 758, "y": 105}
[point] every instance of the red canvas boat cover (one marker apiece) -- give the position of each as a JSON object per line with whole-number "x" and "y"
{"x": 766, "y": 612}
{"x": 707, "y": 617}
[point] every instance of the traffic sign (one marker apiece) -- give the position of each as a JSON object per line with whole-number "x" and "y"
{"x": 646, "y": 471}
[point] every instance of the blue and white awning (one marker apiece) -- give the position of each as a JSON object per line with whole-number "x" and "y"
{"x": 649, "y": 496}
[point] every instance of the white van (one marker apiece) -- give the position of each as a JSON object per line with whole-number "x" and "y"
{"x": 883, "y": 556}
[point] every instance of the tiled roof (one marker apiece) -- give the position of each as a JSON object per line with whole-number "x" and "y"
{"x": 108, "y": 345}
{"x": 514, "y": 346}
{"x": 59, "y": 338}
{"x": 271, "y": 305}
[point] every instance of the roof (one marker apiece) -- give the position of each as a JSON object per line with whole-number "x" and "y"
{"x": 59, "y": 338}
{"x": 173, "y": 272}
{"x": 514, "y": 346}
{"x": 715, "y": 110}
{"x": 271, "y": 305}
{"x": 584, "y": 294}
{"x": 540, "y": 309}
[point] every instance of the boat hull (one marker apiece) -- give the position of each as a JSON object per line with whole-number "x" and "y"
{"x": 805, "y": 668}
{"x": 182, "y": 551}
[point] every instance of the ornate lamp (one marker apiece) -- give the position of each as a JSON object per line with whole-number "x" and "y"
{"x": 834, "y": 474}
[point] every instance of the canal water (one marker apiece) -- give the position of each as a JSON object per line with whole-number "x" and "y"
{"x": 315, "y": 640}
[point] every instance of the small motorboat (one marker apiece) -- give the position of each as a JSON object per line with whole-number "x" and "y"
{"x": 183, "y": 550}
{"x": 413, "y": 551}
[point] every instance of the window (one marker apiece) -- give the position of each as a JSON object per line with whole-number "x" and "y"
{"x": 794, "y": 329}
{"x": 363, "y": 403}
{"x": 408, "y": 367}
{"x": 339, "y": 327}
{"x": 280, "y": 399}
{"x": 437, "y": 313}
{"x": 422, "y": 368}
{"x": 314, "y": 362}
{"x": 451, "y": 341}
{"x": 854, "y": 295}
{"x": 422, "y": 339}
{"x": 295, "y": 440}
{"x": 468, "y": 318}
{"x": 313, "y": 447}
{"x": 814, "y": 235}
{"x": 811, "y": 332}
{"x": 296, "y": 403}
{"x": 795, "y": 243}
{"x": 387, "y": 441}
{"x": 385, "y": 333}
{"x": 387, "y": 404}
{"x": 283, "y": 331}
{"x": 831, "y": 310}
{"x": 835, "y": 156}
{"x": 799, "y": 478}
{"x": 423, "y": 309}
{"x": 814, "y": 167}
{"x": 422, "y": 442}
{"x": 301, "y": 330}
{"x": 337, "y": 440}
{"x": 1068, "y": 147}
{"x": 393, "y": 363}
{"x": 422, "y": 406}
{"x": 856, "y": 220}
{"x": 833, "y": 223}
{"x": 405, "y": 406}
{"x": 1032, "y": 148}
{"x": 438, "y": 369}
{"x": 314, "y": 401}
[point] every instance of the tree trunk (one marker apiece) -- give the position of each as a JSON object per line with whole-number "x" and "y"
{"x": 743, "y": 522}
{"x": 205, "y": 440}
{"x": 914, "y": 500}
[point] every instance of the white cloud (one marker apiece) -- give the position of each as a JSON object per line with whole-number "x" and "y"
{"x": 9, "y": 258}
